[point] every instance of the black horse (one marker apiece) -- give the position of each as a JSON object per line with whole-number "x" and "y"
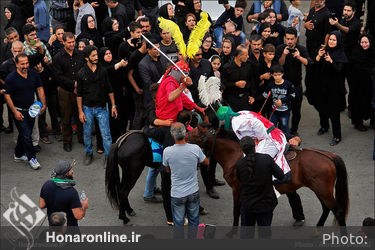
{"x": 133, "y": 152}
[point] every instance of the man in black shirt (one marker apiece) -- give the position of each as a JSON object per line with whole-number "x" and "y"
{"x": 292, "y": 56}
{"x": 118, "y": 11}
{"x": 130, "y": 45}
{"x": 93, "y": 88}
{"x": 317, "y": 30}
{"x": 20, "y": 88}
{"x": 350, "y": 28}
{"x": 198, "y": 67}
{"x": 66, "y": 64}
{"x": 148, "y": 8}
{"x": 237, "y": 79}
{"x": 59, "y": 195}
{"x": 136, "y": 83}
{"x": 150, "y": 70}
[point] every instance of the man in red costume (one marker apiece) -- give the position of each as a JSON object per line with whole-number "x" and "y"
{"x": 170, "y": 98}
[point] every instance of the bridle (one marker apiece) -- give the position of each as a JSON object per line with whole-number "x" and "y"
{"x": 203, "y": 137}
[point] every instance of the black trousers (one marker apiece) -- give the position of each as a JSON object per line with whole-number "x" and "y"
{"x": 335, "y": 120}
{"x": 296, "y": 205}
{"x": 248, "y": 220}
{"x": 166, "y": 192}
{"x": 296, "y": 108}
{"x": 208, "y": 174}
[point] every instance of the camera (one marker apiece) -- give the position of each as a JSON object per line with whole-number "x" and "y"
{"x": 291, "y": 50}
{"x": 134, "y": 41}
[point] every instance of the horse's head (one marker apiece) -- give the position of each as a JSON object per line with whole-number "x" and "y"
{"x": 200, "y": 134}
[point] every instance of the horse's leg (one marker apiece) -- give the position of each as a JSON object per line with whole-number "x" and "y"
{"x": 324, "y": 215}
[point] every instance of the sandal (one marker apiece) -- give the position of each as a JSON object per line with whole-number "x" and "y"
{"x": 335, "y": 141}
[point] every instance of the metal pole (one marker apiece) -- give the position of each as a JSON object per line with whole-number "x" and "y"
{"x": 162, "y": 53}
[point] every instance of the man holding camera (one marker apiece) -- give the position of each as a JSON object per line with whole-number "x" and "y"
{"x": 317, "y": 30}
{"x": 350, "y": 28}
{"x": 292, "y": 56}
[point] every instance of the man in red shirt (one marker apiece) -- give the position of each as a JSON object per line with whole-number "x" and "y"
{"x": 170, "y": 98}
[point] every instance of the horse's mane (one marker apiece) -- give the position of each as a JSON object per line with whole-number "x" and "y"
{"x": 225, "y": 134}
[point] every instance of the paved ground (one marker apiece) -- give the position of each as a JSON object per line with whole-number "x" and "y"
{"x": 356, "y": 150}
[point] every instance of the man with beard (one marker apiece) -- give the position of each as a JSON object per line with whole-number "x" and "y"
{"x": 292, "y": 56}
{"x": 198, "y": 67}
{"x": 20, "y": 88}
{"x": 93, "y": 88}
{"x": 350, "y": 28}
{"x": 59, "y": 195}
{"x": 237, "y": 78}
{"x": 317, "y": 30}
{"x": 66, "y": 64}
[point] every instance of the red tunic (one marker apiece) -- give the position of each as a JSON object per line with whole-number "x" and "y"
{"x": 166, "y": 109}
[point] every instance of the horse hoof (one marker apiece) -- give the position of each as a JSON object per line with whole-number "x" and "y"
{"x": 128, "y": 224}
{"x": 132, "y": 213}
{"x": 316, "y": 233}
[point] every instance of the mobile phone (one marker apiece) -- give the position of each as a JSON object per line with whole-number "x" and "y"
{"x": 333, "y": 15}
{"x": 323, "y": 46}
{"x": 291, "y": 50}
{"x": 134, "y": 41}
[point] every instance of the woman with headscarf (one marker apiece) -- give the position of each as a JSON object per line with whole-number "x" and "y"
{"x": 329, "y": 89}
{"x": 15, "y": 18}
{"x": 89, "y": 31}
{"x": 166, "y": 11}
{"x": 363, "y": 63}
{"x": 265, "y": 32}
{"x": 116, "y": 74}
{"x": 207, "y": 47}
{"x": 195, "y": 7}
{"x": 226, "y": 54}
{"x": 113, "y": 37}
{"x": 190, "y": 22}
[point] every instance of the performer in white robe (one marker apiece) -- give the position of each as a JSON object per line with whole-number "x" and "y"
{"x": 270, "y": 140}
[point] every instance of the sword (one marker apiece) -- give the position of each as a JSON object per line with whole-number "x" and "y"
{"x": 260, "y": 111}
{"x": 162, "y": 53}
{"x": 272, "y": 112}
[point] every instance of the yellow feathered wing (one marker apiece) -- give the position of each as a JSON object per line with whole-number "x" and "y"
{"x": 175, "y": 32}
{"x": 197, "y": 34}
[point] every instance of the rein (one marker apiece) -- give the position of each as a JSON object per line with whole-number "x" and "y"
{"x": 320, "y": 152}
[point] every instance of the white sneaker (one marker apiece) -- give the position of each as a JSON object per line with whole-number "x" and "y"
{"x": 20, "y": 159}
{"x": 34, "y": 164}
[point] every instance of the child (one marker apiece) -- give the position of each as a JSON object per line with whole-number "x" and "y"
{"x": 215, "y": 64}
{"x": 295, "y": 15}
{"x": 282, "y": 93}
{"x": 234, "y": 15}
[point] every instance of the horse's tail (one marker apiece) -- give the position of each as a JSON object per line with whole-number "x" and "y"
{"x": 112, "y": 176}
{"x": 341, "y": 187}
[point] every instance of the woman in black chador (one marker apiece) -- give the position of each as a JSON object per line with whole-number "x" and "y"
{"x": 329, "y": 89}
{"x": 363, "y": 63}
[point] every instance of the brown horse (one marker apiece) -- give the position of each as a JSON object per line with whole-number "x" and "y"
{"x": 316, "y": 169}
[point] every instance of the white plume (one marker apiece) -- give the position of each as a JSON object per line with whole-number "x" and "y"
{"x": 209, "y": 91}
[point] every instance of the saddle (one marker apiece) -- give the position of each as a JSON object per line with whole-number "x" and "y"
{"x": 291, "y": 152}
{"x": 122, "y": 138}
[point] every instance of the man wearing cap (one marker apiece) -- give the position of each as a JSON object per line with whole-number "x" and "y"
{"x": 170, "y": 98}
{"x": 59, "y": 195}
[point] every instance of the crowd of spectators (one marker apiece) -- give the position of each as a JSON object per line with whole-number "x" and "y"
{"x": 91, "y": 68}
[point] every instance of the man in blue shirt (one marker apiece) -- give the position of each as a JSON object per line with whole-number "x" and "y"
{"x": 181, "y": 160}
{"x": 20, "y": 88}
{"x": 41, "y": 20}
